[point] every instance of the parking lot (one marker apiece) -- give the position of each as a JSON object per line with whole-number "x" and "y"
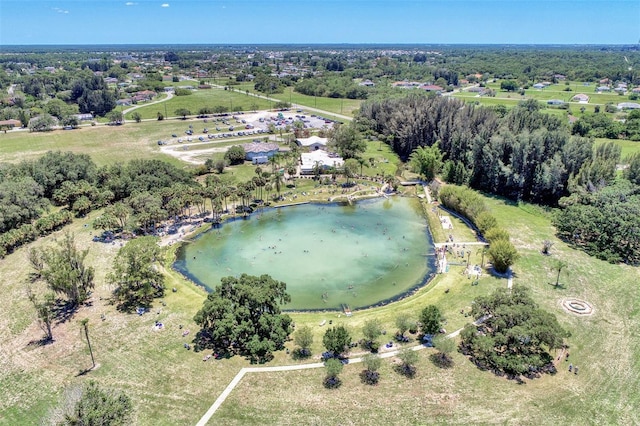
{"x": 239, "y": 125}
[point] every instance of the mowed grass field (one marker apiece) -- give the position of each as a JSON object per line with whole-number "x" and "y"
{"x": 170, "y": 385}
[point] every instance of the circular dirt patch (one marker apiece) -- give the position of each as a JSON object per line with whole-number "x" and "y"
{"x": 577, "y": 306}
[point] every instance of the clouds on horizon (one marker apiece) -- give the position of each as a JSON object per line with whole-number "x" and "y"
{"x": 164, "y": 5}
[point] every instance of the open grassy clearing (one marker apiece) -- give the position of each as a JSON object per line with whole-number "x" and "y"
{"x": 627, "y": 147}
{"x": 232, "y": 100}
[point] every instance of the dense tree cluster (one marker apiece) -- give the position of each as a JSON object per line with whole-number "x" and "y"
{"x": 604, "y": 223}
{"x": 137, "y": 190}
{"x": 515, "y": 336}
{"x": 242, "y": 316}
{"x": 524, "y": 155}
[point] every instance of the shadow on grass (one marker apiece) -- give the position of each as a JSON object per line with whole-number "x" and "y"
{"x": 408, "y": 371}
{"x": 559, "y": 286}
{"x": 441, "y": 360}
{"x": 39, "y": 343}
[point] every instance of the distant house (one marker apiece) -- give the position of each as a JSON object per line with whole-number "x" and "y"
{"x": 319, "y": 158}
{"x": 260, "y": 152}
{"x": 84, "y": 117}
{"x": 111, "y": 80}
{"x": 476, "y": 89}
{"x": 555, "y": 102}
{"x": 539, "y": 86}
{"x": 313, "y": 142}
{"x": 628, "y": 105}
{"x": 10, "y": 123}
{"x": 559, "y": 77}
{"x": 124, "y": 102}
{"x": 603, "y": 89}
{"x": 581, "y": 97}
{"x": 432, "y": 88}
{"x": 367, "y": 83}
{"x": 635, "y": 90}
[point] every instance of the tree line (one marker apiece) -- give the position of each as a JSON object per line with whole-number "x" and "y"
{"x": 524, "y": 154}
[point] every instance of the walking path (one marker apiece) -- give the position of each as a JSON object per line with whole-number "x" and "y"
{"x": 236, "y": 380}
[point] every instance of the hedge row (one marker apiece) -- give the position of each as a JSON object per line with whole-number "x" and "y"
{"x": 15, "y": 238}
{"x": 470, "y": 204}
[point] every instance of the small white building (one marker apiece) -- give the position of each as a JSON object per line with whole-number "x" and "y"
{"x": 312, "y": 142}
{"x": 322, "y": 158}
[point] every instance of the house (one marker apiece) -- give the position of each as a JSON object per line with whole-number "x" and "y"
{"x": 555, "y": 102}
{"x": 559, "y": 77}
{"x": 10, "y": 123}
{"x": 628, "y": 105}
{"x": 124, "y": 102}
{"x": 539, "y": 86}
{"x": 260, "y": 152}
{"x": 581, "y": 97}
{"x": 319, "y": 158}
{"x": 432, "y": 88}
{"x": 312, "y": 142}
{"x": 603, "y": 89}
{"x": 635, "y": 90}
{"x": 111, "y": 80}
{"x": 84, "y": 117}
{"x": 367, "y": 83}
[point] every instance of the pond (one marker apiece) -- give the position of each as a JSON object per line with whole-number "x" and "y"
{"x": 329, "y": 255}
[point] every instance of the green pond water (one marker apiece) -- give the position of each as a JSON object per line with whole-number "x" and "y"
{"x": 328, "y": 254}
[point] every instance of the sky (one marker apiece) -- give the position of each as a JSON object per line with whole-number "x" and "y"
{"x": 319, "y": 21}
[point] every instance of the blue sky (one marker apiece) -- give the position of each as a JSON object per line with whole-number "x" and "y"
{"x": 315, "y": 21}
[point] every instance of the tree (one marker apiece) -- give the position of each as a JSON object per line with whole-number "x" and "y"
{"x": 444, "y": 346}
{"x": 515, "y": 336}
{"x": 64, "y": 271}
{"x": 431, "y": 319}
{"x": 370, "y": 375}
{"x": 42, "y": 123}
{"x": 371, "y": 330}
{"x": 183, "y": 112}
{"x": 45, "y": 311}
{"x": 347, "y": 141}
{"x": 242, "y": 315}
{"x": 495, "y": 234}
{"x": 93, "y": 405}
{"x": 427, "y": 161}
{"x": 303, "y": 338}
{"x": 136, "y": 116}
{"x": 235, "y": 155}
{"x": 337, "y": 340}
{"x": 546, "y": 247}
{"x": 502, "y": 254}
{"x": 350, "y": 168}
{"x": 115, "y": 117}
{"x": 408, "y": 357}
{"x": 333, "y": 367}
{"x": 136, "y": 273}
{"x": 403, "y": 323}
{"x": 632, "y": 173}
{"x": 558, "y": 265}
{"x": 508, "y": 85}
{"x": 85, "y": 327}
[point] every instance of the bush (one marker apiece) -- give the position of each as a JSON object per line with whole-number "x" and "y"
{"x": 502, "y": 254}
{"x": 496, "y": 234}
{"x": 235, "y": 155}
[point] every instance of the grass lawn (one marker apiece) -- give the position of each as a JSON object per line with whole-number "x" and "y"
{"x": 211, "y": 98}
{"x": 170, "y": 385}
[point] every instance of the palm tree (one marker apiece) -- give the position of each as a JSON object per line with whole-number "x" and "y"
{"x": 85, "y": 325}
{"x": 559, "y": 265}
{"x": 482, "y": 251}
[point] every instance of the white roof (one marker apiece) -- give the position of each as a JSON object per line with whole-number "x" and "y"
{"x": 312, "y": 140}
{"x": 322, "y": 157}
